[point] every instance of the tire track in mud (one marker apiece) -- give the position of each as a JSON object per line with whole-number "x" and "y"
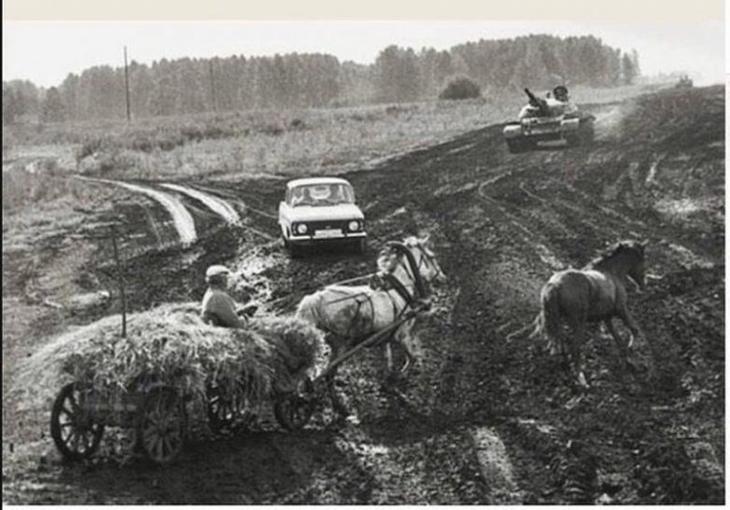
{"x": 545, "y": 253}
{"x": 181, "y": 217}
{"x": 215, "y": 204}
{"x": 244, "y": 198}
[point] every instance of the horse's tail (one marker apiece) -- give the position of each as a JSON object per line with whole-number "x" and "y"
{"x": 547, "y": 322}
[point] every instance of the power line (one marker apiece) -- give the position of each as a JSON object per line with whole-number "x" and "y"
{"x": 126, "y": 84}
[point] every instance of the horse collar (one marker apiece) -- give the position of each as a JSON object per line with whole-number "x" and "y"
{"x": 417, "y": 278}
{"x": 401, "y": 289}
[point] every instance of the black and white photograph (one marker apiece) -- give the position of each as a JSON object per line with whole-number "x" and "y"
{"x": 472, "y": 255}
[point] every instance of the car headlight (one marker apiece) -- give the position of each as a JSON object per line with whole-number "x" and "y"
{"x": 353, "y": 226}
{"x": 301, "y": 228}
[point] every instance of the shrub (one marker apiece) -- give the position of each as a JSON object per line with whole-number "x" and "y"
{"x": 37, "y": 182}
{"x": 460, "y": 88}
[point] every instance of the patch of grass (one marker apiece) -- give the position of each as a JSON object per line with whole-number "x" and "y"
{"x": 292, "y": 142}
{"x": 40, "y": 181}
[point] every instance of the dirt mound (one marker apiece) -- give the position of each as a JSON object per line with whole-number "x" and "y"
{"x": 677, "y": 120}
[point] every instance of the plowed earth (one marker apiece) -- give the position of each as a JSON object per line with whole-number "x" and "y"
{"x": 483, "y": 420}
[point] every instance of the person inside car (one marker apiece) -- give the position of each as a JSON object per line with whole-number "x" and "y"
{"x": 336, "y": 195}
{"x": 303, "y": 198}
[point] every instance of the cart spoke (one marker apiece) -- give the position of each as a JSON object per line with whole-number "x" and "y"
{"x": 70, "y": 432}
{"x": 159, "y": 449}
{"x": 149, "y": 435}
{"x": 74, "y": 403}
{"x": 68, "y": 439}
{"x": 175, "y": 439}
{"x": 86, "y": 442}
{"x": 167, "y": 444}
{"x": 75, "y": 445}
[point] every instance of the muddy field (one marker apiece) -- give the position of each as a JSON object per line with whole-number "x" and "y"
{"x": 484, "y": 420}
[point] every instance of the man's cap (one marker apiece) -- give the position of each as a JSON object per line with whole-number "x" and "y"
{"x": 217, "y": 270}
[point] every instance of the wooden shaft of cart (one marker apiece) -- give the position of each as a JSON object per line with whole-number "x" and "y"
{"x": 374, "y": 339}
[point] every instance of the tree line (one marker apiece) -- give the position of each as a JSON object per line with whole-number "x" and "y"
{"x": 184, "y": 86}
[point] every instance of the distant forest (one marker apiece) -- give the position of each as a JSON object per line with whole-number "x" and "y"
{"x": 183, "y": 86}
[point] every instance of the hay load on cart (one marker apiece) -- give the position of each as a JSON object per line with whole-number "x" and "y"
{"x": 169, "y": 359}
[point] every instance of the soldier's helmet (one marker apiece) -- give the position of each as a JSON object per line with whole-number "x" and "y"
{"x": 560, "y": 93}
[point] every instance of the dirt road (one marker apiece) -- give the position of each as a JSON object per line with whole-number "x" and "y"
{"x": 486, "y": 421}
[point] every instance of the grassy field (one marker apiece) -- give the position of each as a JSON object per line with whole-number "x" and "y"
{"x": 37, "y": 159}
{"x": 256, "y": 141}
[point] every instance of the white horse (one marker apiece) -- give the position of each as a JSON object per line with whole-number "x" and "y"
{"x": 350, "y": 314}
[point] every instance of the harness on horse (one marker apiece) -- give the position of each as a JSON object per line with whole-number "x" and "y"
{"x": 390, "y": 281}
{"x": 387, "y": 281}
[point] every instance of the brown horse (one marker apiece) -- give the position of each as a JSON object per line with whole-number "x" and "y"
{"x": 593, "y": 294}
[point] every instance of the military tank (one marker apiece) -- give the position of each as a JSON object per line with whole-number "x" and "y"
{"x": 548, "y": 120}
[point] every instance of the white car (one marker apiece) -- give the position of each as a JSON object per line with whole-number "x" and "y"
{"x": 321, "y": 210}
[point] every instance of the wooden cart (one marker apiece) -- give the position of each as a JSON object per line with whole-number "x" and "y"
{"x": 156, "y": 412}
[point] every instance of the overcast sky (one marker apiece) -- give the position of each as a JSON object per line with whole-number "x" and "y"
{"x": 45, "y": 52}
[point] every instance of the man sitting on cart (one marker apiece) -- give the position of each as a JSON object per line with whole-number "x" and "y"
{"x": 218, "y": 307}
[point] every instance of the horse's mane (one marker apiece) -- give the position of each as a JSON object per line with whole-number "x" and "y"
{"x": 412, "y": 241}
{"x": 403, "y": 249}
{"x": 610, "y": 252}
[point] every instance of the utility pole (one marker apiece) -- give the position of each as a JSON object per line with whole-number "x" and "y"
{"x": 212, "y": 86}
{"x": 112, "y": 232}
{"x": 126, "y": 84}
{"x": 120, "y": 280}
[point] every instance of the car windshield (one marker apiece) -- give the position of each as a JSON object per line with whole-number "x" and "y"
{"x": 319, "y": 195}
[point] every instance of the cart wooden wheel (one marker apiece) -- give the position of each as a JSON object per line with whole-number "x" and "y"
{"x": 76, "y": 434}
{"x": 227, "y": 413}
{"x": 293, "y": 410}
{"x": 162, "y": 424}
